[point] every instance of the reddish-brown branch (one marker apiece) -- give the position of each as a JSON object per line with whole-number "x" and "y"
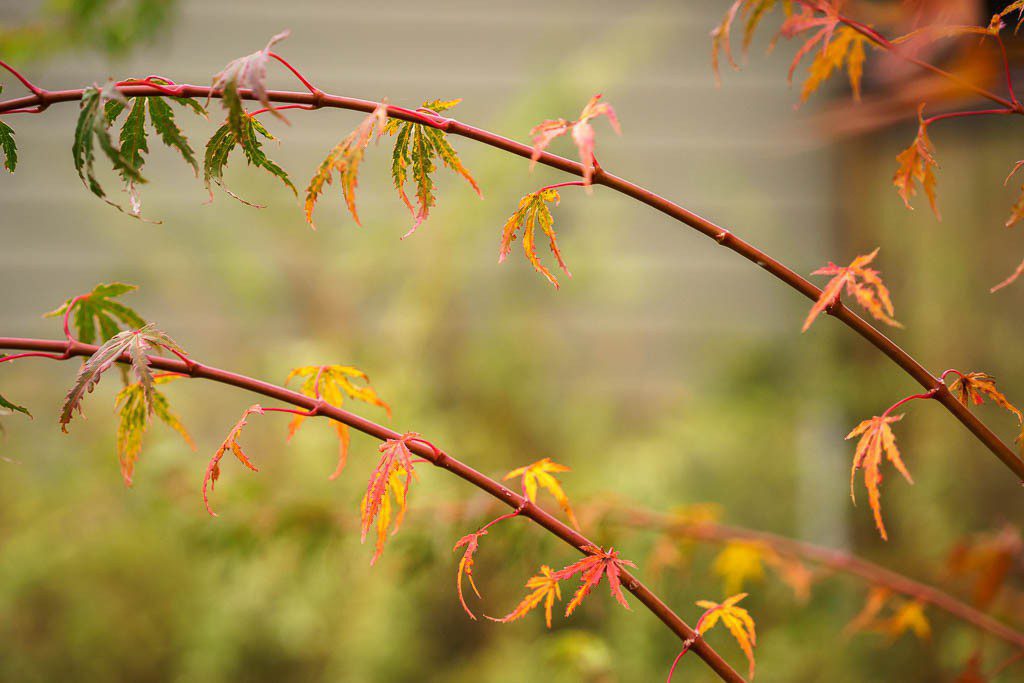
{"x": 601, "y": 177}
{"x": 836, "y": 560}
{"x": 421, "y": 448}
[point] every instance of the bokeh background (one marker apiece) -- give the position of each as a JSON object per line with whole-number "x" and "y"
{"x": 666, "y": 372}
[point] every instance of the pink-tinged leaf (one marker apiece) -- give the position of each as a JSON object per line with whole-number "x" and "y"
{"x": 230, "y": 443}
{"x": 582, "y": 133}
{"x": 390, "y": 479}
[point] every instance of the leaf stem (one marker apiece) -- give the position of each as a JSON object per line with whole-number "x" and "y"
{"x": 32, "y": 87}
{"x": 569, "y": 183}
{"x": 931, "y": 393}
{"x": 960, "y": 114}
{"x": 302, "y": 79}
{"x": 420, "y": 447}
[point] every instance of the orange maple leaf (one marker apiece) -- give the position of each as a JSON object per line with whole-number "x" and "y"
{"x": 972, "y": 387}
{"x": 736, "y": 619}
{"x": 472, "y": 544}
{"x": 989, "y": 558}
{"x": 230, "y": 443}
{"x": 545, "y": 590}
{"x": 905, "y": 615}
{"x": 540, "y": 474}
{"x": 533, "y": 211}
{"x": 876, "y": 440}
{"x": 582, "y": 133}
{"x": 877, "y": 598}
{"x": 333, "y": 383}
{"x": 1017, "y": 212}
{"x": 862, "y": 283}
{"x": 597, "y": 564}
{"x": 390, "y": 479}
{"x": 917, "y": 164}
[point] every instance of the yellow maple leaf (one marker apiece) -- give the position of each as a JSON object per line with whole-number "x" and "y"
{"x": 876, "y": 441}
{"x": 541, "y": 474}
{"x": 908, "y": 616}
{"x": 533, "y": 212}
{"x": 739, "y": 562}
{"x": 917, "y": 165}
{"x": 736, "y": 619}
{"x": 545, "y": 590}
{"x": 333, "y": 383}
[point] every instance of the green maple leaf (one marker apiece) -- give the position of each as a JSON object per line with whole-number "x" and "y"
{"x": 240, "y": 130}
{"x": 98, "y": 313}
{"x": 9, "y": 146}
{"x": 416, "y": 148}
{"x": 12, "y": 407}
{"x": 98, "y": 110}
{"x": 134, "y": 343}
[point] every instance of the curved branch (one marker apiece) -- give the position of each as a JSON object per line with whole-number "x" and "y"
{"x": 422, "y": 449}
{"x": 838, "y": 560}
{"x": 904, "y": 360}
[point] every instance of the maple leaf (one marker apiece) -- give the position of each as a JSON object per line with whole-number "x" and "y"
{"x": 582, "y": 133}
{"x": 243, "y": 131}
{"x": 417, "y": 146}
{"x": 390, "y": 479}
{"x": 989, "y": 558}
{"x": 917, "y": 165}
{"x": 134, "y": 344}
{"x": 134, "y": 419}
{"x": 597, "y": 564}
{"x": 862, "y": 283}
{"x": 333, "y": 383}
{"x": 736, "y": 619}
{"x": 972, "y": 387}
{"x": 8, "y": 146}
{"x": 541, "y": 474}
{"x": 1010, "y": 280}
{"x": 1015, "y": 6}
{"x": 11, "y": 408}
{"x": 345, "y": 159}
{"x": 876, "y": 440}
{"x": 545, "y": 590}
{"x": 753, "y": 11}
{"x": 908, "y": 616}
{"x": 230, "y": 443}
{"x": 846, "y": 45}
{"x": 739, "y": 562}
{"x": 807, "y": 20}
{"x": 877, "y": 599}
{"x": 472, "y": 543}
{"x": 97, "y": 316}
{"x": 532, "y": 212}
{"x": 94, "y": 127}
{"x": 248, "y": 72}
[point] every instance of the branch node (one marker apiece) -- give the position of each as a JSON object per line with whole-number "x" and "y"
{"x": 723, "y": 236}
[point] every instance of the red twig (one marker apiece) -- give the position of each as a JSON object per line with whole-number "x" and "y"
{"x": 1008, "y": 71}
{"x": 33, "y": 88}
{"x": 282, "y": 107}
{"x": 420, "y": 447}
{"x": 570, "y": 183}
{"x": 961, "y": 114}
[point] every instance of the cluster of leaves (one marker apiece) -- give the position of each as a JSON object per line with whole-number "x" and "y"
{"x": 545, "y": 132}
{"x": 862, "y": 283}
{"x": 332, "y": 383}
{"x": 417, "y": 148}
{"x": 971, "y": 388}
{"x": 904, "y": 616}
{"x": 100, "y": 109}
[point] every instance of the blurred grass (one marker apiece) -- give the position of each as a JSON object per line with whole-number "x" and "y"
{"x": 663, "y": 372}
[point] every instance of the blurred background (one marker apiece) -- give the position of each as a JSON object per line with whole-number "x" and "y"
{"x": 666, "y": 372}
